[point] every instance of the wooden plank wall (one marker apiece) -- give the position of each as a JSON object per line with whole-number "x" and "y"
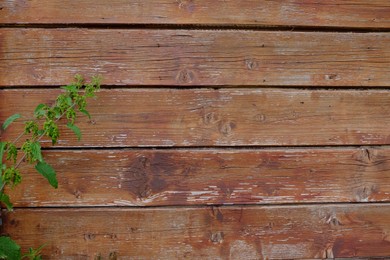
{"x": 225, "y": 129}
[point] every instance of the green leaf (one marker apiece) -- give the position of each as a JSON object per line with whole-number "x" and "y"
{"x": 79, "y": 80}
{"x": 34, "y": 254}
{"x": 70, "y": 88}
{"x": 12, "y": 152}
{"x": 11, "y": 175}
{"x": 32, "y": 151}
{"x": 9, "y": 249}
{"x": 36, "y": 151}
{"x": 57, "y": 111}
{"x": 31, "y": 127}
{"x": 2, "y": 148}
{"x": 48, "y": 172}
{"x": 85, "y": 112}
{"x": 51, "y": 130}
{"x": 40, "y": 110}
{"x": 7, "y": 202}
{"x": 75, "y": 130}
{"x": 10, "y": 120}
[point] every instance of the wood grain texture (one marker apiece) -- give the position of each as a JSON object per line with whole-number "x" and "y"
{"x": 331, "y": 13}
{"x": 224, "y": 117}
{"x": 48, "y": 57}
{"x": 200, "y": 177}
{"x": 275, "y": 232}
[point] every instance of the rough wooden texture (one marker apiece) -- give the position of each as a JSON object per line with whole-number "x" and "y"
{"x": 194, "y": 57}
{"x": 225, "y": 117}
{"x": 199, "y": 177}
{"x": 275, "y": 232}
{"x": 330, "y": 13}
{"x": 331, "y": 201}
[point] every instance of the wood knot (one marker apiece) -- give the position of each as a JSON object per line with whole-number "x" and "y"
{"x": 210, "y": 118}
{"x": 332, "y": 77}
{"x": 251, "y": 64}
{"x": 363, "y": 194}
{"x": 226, "y": 128}
{"x": 89, "y": 236}
{"x": 77, "y": 194}
{"x": 113, "y": 236}
{"x": 185, "y": 76}
{"x": 365, "y": 155}
{"x": 216, "y": 237}
{"x": 187, "y": 5}
{"x": 145, "y": 162}
{"x": 260, "y": 117}
{"x": 333, "y": 221}
{"x": 113, "y": 256}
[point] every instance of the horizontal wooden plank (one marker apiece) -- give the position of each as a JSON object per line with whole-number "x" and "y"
{"x": 194, "y": 57}
{"x": 224, "y": 117}
{"x": 331, "y": 13}
{"x": 198, "y": 177}
{"x": 276, "y": 232}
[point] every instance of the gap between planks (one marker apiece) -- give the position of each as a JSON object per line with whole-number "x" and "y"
{"x": 209, "y": 27}
{"x": 207, "y": 206}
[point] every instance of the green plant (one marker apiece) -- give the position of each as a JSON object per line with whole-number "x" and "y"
{"x": 45, "y": 122}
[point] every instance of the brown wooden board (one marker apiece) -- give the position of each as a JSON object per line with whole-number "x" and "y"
{"x": 45, "y": 57}
{"x": 211, "y": 176}
{"x": 275, "y": 232}
{"x": 224, "y": 117}
{"x": 311, "y": 13}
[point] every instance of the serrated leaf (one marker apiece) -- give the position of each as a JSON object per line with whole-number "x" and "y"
{"x": 6, "y": 200}
{"x": 10, "y": 120}
{"x": 40, "y": 110}
{"x": 75, "y": 130}
{"x": 48, "y": 172}
{"x": 70, "y": 88}
{"x": 57, "y": 111}
{"x": 9, "y": 249}
{"x": 85, "y": 112}
{"x": 2, "y": 148}
{"x": 36, "y": 151}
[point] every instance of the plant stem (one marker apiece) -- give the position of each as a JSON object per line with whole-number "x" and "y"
{"x": 14, "y": 142}
{"x": 44, "y": 133}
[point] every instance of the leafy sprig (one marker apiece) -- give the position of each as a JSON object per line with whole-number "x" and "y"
{"x": 44, "y": 123}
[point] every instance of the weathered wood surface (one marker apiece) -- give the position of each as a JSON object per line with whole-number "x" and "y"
{"x": 199, "y": 177}
{"x": 47, "y": 57}
{"x": 225, "y": 117}
{"x": 330, "y": 13}
{"x": 274, "y": 232}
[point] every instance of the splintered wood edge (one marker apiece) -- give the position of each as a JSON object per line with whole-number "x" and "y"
{"x": 208, "y": 176}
